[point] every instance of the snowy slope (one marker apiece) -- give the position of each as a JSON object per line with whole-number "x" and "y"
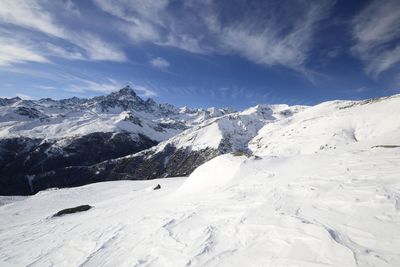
{"x": 331, "y": 125}
{"x": 231, "y": 132}
{"x": 308, "y": 210}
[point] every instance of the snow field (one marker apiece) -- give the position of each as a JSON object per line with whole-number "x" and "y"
{"x": 310, "y": 210}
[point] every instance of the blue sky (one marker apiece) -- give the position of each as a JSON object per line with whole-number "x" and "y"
{"x": 201, "y": 53}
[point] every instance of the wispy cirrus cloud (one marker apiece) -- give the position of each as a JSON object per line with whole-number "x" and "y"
{"x": 12, "y": 51}
{"x": 266, "y": 32}
{"x": 140, "y": 17}
{"x": 80, "y": 85}
{"x": 33, "y": 15}
{"x": 45, "y": 87}
{"x": 159, "y": 63}
{"x": 58, "y": 51}
{"x": 84, "y": 85}
{"x": 376, "y": 30}
{"x": 281, "y": 35}
{"x": 29, "y": 14}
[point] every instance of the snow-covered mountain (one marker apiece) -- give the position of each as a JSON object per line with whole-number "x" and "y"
{"x": 260, "y": 130}
{"x": 58, "y": 143}
{"x": 120, "y": 111}
{"x": 181, "y": 154}
{"x": 303, "y": 186}
{"x": 50, "y": 137}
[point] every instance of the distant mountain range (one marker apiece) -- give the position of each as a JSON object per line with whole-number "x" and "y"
{"x": 63, "y": 143}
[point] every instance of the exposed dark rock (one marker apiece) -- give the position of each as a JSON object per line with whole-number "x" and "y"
{"x": 131, "y": 118}
{"x": 158, "y": 128}
{"x": 80, "y": 208}
{"x": 126, "y": 99}
{"x": 157, "y": 187}
{"x": 9, "y": 101}
{"x": 176, "y": 125}
{"x": 31, "y": 113}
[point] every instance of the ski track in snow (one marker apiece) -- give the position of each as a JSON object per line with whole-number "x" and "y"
{"x": 270, "y": 212}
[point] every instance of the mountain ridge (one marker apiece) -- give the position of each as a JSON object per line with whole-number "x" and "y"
{"x": 144, "y": 140}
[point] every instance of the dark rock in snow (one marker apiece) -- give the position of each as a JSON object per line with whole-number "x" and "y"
{"x": 80, "y": 208}
{"x": 157, "y": 187}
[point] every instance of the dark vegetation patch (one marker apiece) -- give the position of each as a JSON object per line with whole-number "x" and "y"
{"x": 24, "y": 162}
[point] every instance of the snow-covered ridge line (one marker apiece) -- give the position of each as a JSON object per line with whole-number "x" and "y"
{"x": 130, "y": 151}
{"x": 332, "y": 125}
{"x": 235, "y": 129}
{"x": 120, "y": 111}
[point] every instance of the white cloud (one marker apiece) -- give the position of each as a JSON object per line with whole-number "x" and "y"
{"x": 277, "y": 33}
{"x": 140, "y": 16}
{"x": 84, "y": 85}
{"x": 97, "y": 49}
{"x": 71, "y": 7}
{"x": 12, "y": 52}
{"x": 107, "y": 86}
{"x": 45, "y": 87}
{"x": 63, "y": 53}
{"x": 159, "y": 63}
{"x": 29, "y": 14}
{"x": 284, "y": 39}
{"x": 143, "y": 90}
{"x": 375, "y": 29}
{"x": 131, "y": 10}
{"x": 150, "y": 21}
{"x": 23, "y": 96}
{"x": 32, "y": 14}
{"x": 185, "y": 42}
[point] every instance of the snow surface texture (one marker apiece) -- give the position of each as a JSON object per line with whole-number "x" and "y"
{"x": 322, "y": 189}
{"x": 325, "y": 210}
